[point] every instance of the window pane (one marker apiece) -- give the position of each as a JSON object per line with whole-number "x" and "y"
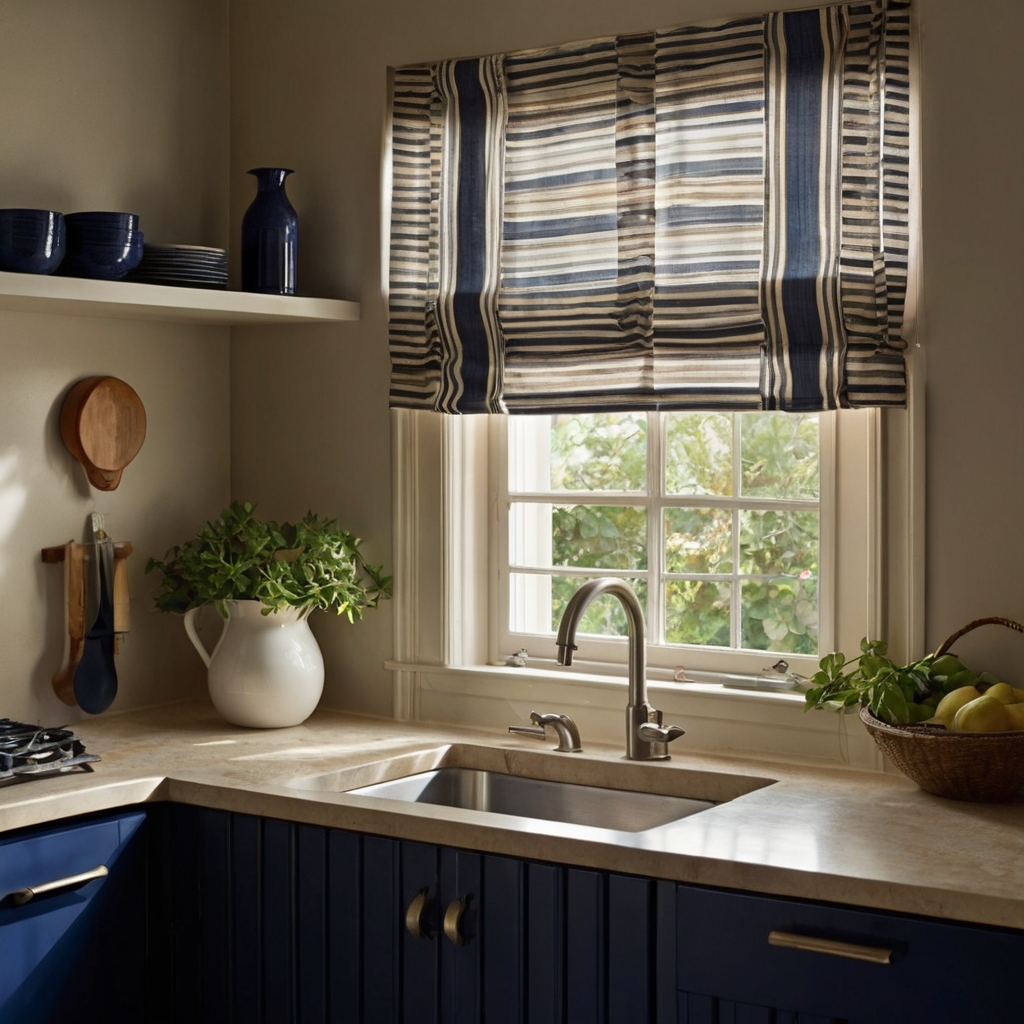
{"x": 781, "y": 615}
{"x": 605, "y": 615}
{"x": 698, "y": 454}
{"x": 582, "y": 536}
{"x": 599, "y": 536}
{"x": 698, "y": 540}
{"x": 780, "y": 455}
{"x": 778, "y": 543}
{"x": 697, "y": 613}
{"x": 599, "y": 452}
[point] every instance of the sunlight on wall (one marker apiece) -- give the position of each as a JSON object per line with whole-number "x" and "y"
{"x": 12, "y": 500}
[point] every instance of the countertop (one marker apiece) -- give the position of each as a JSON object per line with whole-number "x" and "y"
{"x": 843, "y": 836}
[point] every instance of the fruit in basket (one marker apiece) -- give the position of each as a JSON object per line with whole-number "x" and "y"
{"x": 1016, "y": 713}
{"x": 1002, "y": 692}
{"x": 952, "y": 703}
{"x": 984, "y": 714}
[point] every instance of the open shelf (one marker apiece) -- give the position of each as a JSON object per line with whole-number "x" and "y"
{"x": 125, "y": 300}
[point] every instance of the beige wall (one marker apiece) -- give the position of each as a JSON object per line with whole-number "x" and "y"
{"x": 308, "y": 90}
{"x": 125, "y": 105}
{"x": 117, "y": 105}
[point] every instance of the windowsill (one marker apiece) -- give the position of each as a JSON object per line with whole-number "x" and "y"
{"x": 715, "y": 718}
{"x": 659, "y": 681}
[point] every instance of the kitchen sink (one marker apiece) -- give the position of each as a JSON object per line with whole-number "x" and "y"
{"x": 567, "y": 802}
{"x": 623, "y": 797}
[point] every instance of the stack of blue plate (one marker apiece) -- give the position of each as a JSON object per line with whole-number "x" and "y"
{"x": 183, "y": 266}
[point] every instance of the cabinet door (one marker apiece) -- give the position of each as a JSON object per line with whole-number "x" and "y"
{"x": 253, "y": 919}
{"x": 76, "y": 950}
{"x": 482, "y": 952}
{"x": 940, "y": 972}
{"x": 263, "y": 920}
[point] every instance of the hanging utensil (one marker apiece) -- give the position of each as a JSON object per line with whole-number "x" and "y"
{"x": 95, "y": 678}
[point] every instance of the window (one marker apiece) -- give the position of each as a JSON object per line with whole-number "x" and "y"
{"x": 714, "y": 519}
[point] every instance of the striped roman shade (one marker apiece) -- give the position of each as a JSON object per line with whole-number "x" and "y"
{"x": 711, "y": 217}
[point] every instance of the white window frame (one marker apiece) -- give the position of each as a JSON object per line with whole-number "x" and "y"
{"x": 448, "y": 667}
{"x": 605, "y": 651}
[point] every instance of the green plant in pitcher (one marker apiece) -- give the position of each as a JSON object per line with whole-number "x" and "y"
{"x": 309, "y": 564}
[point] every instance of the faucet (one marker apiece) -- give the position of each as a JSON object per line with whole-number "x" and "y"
{"x": 646, "y": 738}
{"x": 564, "y": 726}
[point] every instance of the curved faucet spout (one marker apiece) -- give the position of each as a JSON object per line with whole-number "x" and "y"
{"x": 646, "y": 738}
{"x": 578, "y": 604}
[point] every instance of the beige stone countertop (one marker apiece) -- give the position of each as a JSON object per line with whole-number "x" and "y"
{"x": 843, "y": 836}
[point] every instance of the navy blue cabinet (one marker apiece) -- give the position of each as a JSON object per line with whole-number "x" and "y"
{"x": 754, "y": 958}
{"x": 73, "y": 922}
{"x": 204, "y": 915}
{"x": 272, "y": 921}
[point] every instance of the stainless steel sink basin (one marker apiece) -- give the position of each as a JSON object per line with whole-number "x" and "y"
{"x": 478, "y": 790}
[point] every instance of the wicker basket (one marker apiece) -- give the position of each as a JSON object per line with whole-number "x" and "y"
{"x": 981, "y": 766}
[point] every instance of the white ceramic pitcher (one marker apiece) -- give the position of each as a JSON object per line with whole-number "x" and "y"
{"x": 266, "y": 671}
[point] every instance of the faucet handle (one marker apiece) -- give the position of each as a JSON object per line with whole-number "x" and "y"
{"x": 568, "y": 734}
{"x": 659, "y": 733}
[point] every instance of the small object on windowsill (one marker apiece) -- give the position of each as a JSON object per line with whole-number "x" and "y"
{"x": 517, "y": 660}
{"x": 777, "y": 679}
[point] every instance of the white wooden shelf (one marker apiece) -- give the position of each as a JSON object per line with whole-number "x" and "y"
{"x": 125, "y": 300}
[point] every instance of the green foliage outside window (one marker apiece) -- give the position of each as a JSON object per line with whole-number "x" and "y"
{"x": 777, "y": 549}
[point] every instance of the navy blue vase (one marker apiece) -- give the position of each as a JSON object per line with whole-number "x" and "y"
{"x": 270, "y": 236}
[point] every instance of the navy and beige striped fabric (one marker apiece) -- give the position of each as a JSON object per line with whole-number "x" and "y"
{"x": 712, "y": 217}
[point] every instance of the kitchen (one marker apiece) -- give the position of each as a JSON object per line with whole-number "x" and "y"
{"x": 162, "y": 107}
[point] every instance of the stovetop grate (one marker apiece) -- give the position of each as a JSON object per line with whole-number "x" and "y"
{"x": 32, "y": 752}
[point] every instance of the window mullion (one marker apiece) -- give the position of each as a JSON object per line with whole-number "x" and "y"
{"x": 655, "y": 528}
{"x": 736, "y": 602}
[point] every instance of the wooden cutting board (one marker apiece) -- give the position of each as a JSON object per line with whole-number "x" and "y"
{"x": 103, "y": 424}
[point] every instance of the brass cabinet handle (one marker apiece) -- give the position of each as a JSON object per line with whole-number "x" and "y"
{"x": 22, "y": 896}
{"x": 452, "y": 920}
{"x": 848, "y": 950}
{"x": 414, "y": 915}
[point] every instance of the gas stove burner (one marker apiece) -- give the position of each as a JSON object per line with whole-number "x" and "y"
{"x": 32, "y": 752}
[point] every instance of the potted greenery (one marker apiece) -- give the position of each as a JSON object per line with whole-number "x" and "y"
{"x": 266, "y": 670}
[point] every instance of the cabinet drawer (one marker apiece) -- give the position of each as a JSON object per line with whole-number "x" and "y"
{"x": 56, "y": 943}
{"x": 937, "y": 971}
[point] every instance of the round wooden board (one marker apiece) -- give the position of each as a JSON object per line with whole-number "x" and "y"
{"x": 103, "y": 424}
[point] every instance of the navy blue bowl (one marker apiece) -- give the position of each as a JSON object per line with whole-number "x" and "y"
{"x": 31, "y": 241}
{"x": 106, "y": 246}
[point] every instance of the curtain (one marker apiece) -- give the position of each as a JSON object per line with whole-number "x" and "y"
{"x": 711, "y": 217}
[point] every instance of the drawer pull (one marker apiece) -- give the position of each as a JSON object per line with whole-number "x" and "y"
{"x": 452, "y": 920}
{"x": 415, "y": 924}
{"x": 22, "y": 896}
{"x": 849, "y": 950}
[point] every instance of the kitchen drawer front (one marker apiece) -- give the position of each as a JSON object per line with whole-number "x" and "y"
{"x": 59, "y": 947}
{"x": 939, "y": 971}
